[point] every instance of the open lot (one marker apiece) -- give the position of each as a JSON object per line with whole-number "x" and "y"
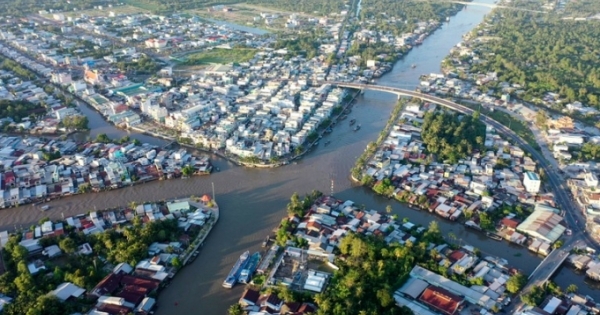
{"x": 220, "y": 55}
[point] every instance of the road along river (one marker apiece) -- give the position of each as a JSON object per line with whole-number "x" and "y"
{"x": 252, "y": 201}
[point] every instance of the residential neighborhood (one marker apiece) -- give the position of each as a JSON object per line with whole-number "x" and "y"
{"x": 126, "y": 288}
{"x": 36, "y": 170}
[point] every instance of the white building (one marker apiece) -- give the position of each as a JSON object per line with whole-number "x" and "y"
{"x": 532, "y": 182}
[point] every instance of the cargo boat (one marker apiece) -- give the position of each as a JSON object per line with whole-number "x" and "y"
{"x": 247, "y": 272}
{"x": 234, "y": 274}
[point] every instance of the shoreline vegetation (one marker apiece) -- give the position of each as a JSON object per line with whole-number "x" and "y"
{"x": 353, "y": 286}
{"x": 357, "y": 170}
{"x": 87, "y": 259}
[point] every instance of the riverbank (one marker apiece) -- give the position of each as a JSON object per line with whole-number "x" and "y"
{"x": 66, "y": 168}
{"x": 256, "y": 199}
{"x": 154, "y": 255}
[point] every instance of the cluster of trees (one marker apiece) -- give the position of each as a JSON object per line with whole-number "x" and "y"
{"x": 545, "y": 54}
{"x": 384, "y": 187}
{"x": 303, "y": 44}
{"x": 590, "y": 151}
{"x": 51, "y": 155}
{"x": 583, "y": 8}
{"x": 516, "y": 282}
{"x": 369, "y": 273}
{"x": 29, "y": 291}
{"x": 536, "y": 296}
{"x": 409, "y": 11}
{"x": 323, "y": 7}
{"x": 16, "y": 68}
{"x": 75, "y": 122}
{"x": 299, "y": 207}
{"x": 144, "y": 65}
{"x": 371, "y": 51}
{"x": 131, "y": 245}
{"x": 24, "y": 7}
{"x": 452, "y": 136}
{"x": 17, "y": 110}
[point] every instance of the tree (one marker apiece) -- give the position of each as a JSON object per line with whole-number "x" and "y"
{"x": 572, "y": 288}
{"x": 103, "y": 138}
{"x": 485, "y": 221}
{"x": 68, "y": 245}
{"x": 176, "y": 262}
{"x": 84, "y": 188}
{"x": 187, "y": 170}
{"x": 236, "y": 309}
{"x": 75, "y": 122}
{"x": 541, "y": 119}
{"x": 516, "y": 282}
{"x": 558, "y": 244}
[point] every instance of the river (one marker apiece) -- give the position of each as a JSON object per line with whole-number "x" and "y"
{"x": 252, "y": 201}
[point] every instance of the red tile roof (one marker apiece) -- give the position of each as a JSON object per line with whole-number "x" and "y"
{"x": 441, "y": 300}
{"x": 108, "y": 285}
{"x": 150, "y": 284}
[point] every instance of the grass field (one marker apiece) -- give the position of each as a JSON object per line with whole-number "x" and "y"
{"x": 142, "y": 5}
{"x": 220, "y": 55}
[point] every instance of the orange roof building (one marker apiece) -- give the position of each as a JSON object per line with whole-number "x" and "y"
{"x": 441, "y": 300}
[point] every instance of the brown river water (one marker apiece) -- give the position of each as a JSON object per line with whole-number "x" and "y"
{"x": 252, "y": 201}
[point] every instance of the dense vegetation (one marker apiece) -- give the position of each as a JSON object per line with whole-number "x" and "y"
{"x": 23, "y": 7}
{"x": 407, "y": 11}
{"x": 544, "y": 54}
{"x": 75, "y": 122}
{"x": 306, "y": 45}
{"x": 582, "y": 8}
{"x": 452, "y": 136}
{"x": 321, "y": 7}
{"x": 370, "y": 272}
{"x": 17, "y": 69}
{"x": 144, "y": 65}
{"x": 17, "y": 110}
{"x": 30, "y": 291}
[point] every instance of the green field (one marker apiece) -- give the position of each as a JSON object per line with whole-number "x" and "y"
{"x": 220, "y": 55}
{"x": 150, "y": 6}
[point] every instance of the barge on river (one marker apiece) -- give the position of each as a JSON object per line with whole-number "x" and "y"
{"x": 251, "y": 266}
{"x": 234, "y": 274}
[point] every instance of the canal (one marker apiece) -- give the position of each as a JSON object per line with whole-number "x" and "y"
{"x": 252, "y": 201}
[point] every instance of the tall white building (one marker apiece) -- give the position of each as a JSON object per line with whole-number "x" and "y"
{"x": 532, "y": 182}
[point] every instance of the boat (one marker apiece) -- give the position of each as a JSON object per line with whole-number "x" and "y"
{"x": 266, "y": 241}
{"x": 218, "y": 169}
{"x": 352, "y": 122}
{"x": 247, "y": 272}
{"x": 316, "y": 143}
{"x": 357, "y": 128}
{"x": 234, "y": 274}
{"x": 413, "y": 66}
{"x": 44, "y": 208}
{"x": 327, "y": 142}
{"x": 493, "y": 236}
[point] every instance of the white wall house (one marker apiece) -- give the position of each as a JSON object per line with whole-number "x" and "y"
{"x": 532, "y": 182}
